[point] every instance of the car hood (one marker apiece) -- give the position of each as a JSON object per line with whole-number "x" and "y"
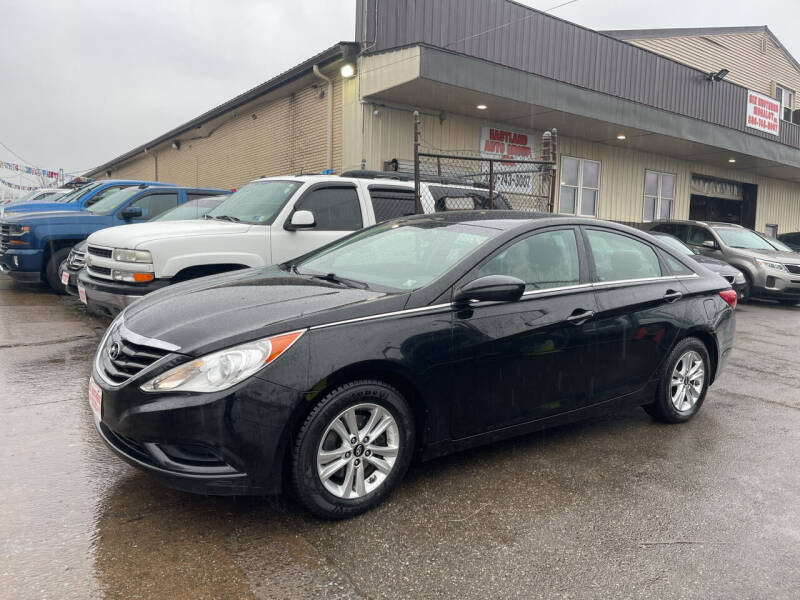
{"x": 210, "y": 313}
{"x": 776, "y": 255}
{"x": 47, "y": 217}
{"x": 715, "y": 265}
{"x": 40, "y": 206}
{"x": 131, "y": 236}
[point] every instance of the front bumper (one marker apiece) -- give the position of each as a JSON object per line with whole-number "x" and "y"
{"x": 71, "y": 287}
{"x": 110, "y": 297}
{"x": 22, "y": 265}
{"x": 777, "y": 285}
{"x": 225, "y": 443}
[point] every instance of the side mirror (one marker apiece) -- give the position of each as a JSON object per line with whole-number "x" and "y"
{"x": 711, "y": 244}
{"x": 301, "y": 219}
{"x": 491, "y": 288}
{"x": 130, "y": 212}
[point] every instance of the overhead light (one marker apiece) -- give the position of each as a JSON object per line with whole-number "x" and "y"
{"x": 347, "y": 71}
{"x": 621, "y": 136}
{"x": 481, "y": 107}
{"x": 731, "y": 160}
{"x": 717, "y": 75}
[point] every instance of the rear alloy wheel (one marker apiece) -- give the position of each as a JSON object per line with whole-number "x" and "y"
{"x": 353, "y": 449}
{"x": 683, "y": 383}
{"x": 51, "y": 270}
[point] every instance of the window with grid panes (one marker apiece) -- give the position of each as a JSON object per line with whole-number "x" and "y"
{"x": 580, "y": 186}
{"x": 659, "y": 193}
{"x": 786, "y": 98}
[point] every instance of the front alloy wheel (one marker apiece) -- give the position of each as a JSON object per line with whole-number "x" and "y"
{"x": 353, "y": 449}
{"x": 358, "y": 451}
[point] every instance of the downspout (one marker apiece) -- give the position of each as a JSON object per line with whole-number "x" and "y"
{"x": 329, "y": 81}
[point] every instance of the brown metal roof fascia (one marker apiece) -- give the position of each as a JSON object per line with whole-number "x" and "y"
{"x": 335, "y": 52}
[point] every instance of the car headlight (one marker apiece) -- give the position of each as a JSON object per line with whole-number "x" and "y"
{"x": 768, "y": 264}
{"x": 223, "y": 369}
{"x": 739, "y": 278}
{"x": 140, "y": 256}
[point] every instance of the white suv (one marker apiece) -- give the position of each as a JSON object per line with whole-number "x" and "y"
{"x": 268, "y": 221}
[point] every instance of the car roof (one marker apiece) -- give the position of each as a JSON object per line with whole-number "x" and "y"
{"x": 514, "y": 219}
{"x": 694, "y": 222}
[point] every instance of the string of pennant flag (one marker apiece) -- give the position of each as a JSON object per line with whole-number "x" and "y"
{"x": 30, "y": 170}
{"x": 14, "y": 186}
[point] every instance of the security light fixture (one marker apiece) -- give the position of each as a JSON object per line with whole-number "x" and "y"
{"x": 731, "y": 160}
{"x": 176, "y": 145}
{"x": 347, "y": 71}
{"x": 621, "y": 136}
{"x": 481, "y": 107}
{"x": 717, "y": 75}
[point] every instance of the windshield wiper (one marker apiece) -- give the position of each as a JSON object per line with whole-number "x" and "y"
{"x": 334, "y": 278}
{"x": 227, "y": 218}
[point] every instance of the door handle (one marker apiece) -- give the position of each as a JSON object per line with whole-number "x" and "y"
{"x": 672, "y": 296}
{"x": 579, "y": 318}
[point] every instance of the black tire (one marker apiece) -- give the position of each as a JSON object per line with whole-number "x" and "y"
{"x": 51, "y": 270}
{"x": 306, "y": 481}
{"x": 663, "y": 408}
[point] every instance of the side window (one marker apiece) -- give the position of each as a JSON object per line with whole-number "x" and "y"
{"x": 197, "y": 195}
{"x": 103, "y": 193}
{"x": 153, "y": 205}
{"x": 698, "y": 235}
{"x": 391, "y": 202}
{"x": 675, "y": 266}
{"x": 334, "y": 208}
{"x": 542, "y": 260}
{"x": 618, "y": 257}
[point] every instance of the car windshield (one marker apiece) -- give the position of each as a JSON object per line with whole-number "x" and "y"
{"x": 194, "y": 209}
{"x": 397, "y": 256}
{"x": 777, "y": 244}
{"x": 75, "y": 194}
{"x": 27, "y": 196}
{"x": 738, "y": 237}
{"x": 676, "y": 244}
{"x": 257, "y": 202}
{"x": 111, "y": 202}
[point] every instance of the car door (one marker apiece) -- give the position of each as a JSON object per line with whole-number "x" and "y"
{"x": 639, "y": 311}
{"x": 337, "y": 211}
{"x": 516, "y": 362}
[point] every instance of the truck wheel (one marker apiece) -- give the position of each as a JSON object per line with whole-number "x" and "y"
{"x": 51, "y": 270}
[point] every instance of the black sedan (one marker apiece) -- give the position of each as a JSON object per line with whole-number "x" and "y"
{"x": 728, "y": 272}
{"x": 420, "y": 336}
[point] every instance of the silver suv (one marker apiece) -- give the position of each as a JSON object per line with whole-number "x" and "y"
{"x": 770, "y": 273}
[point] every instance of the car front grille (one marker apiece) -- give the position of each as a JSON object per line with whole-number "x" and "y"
{"x": 77, "y": 260}
{"x": 121, "y": 359}
{"x": 103, "y": 272}
{"x": 102, "y": 252}
{"x": 793, "y": 269}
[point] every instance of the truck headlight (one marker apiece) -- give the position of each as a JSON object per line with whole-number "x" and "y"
{"x": 131, "y": 276}
{"x": 739, "y": 278}
{"x": 136, "y": 256}
{"x": 768, "y": 264}
{"x": 223, "y": 369}
{"x": 18, "y": 230}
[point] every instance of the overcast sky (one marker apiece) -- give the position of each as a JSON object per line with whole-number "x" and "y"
{"x": 82, "y": 81}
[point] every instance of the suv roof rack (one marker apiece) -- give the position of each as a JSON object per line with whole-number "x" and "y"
{"x": 404, "y": 176}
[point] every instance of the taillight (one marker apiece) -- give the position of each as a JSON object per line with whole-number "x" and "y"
{"x": 730, "y": 296}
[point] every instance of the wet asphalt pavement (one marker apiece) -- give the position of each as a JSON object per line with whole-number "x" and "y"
{"x": 613, "y": 507}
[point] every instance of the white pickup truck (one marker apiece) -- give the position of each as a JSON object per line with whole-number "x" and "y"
{"x": 268, "y": 221}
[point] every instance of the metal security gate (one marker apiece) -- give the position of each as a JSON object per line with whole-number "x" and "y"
{"x": 511, "y": 183}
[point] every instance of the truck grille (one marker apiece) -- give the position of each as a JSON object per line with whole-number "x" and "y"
{"x": 5, "y": 234}
{"x": 103, "y": 272}
{"x": 121, "y": 359}
{"x": 793, "y": 269}
{"x": 77, "y": 260}
{"x": 102, "y": 252}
